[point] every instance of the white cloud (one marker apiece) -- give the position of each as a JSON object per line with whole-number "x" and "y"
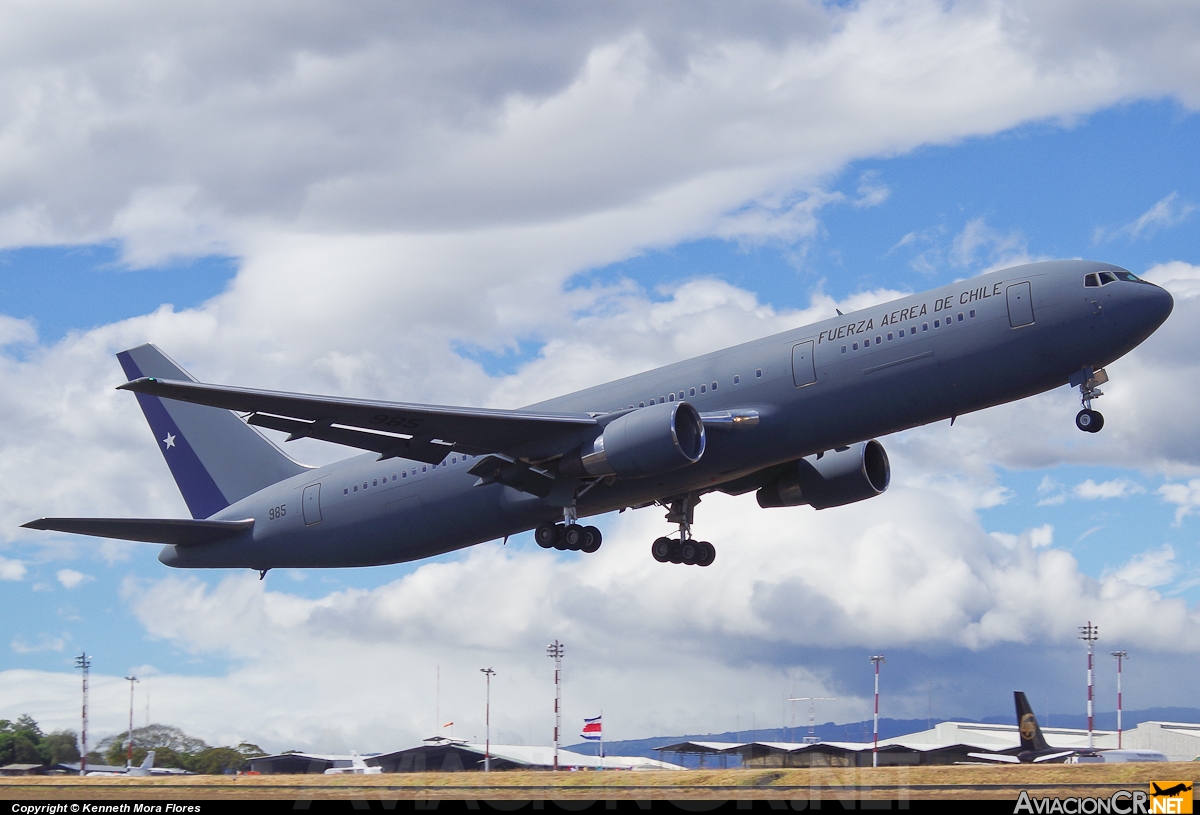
{"x": 71, "y": 579}
{"x": 1151, "y": 568}
{"x": 11, "y": 569}
{"x": 1116, "y": 488}
{"x": 997, "y": 248}
{"x": 14, "y": 331}
{"x": 1168, "y": 212}
{"x": 45, "y": 643}
{"x": 1050, "y": 492}
{"x": 1186, "y": 497}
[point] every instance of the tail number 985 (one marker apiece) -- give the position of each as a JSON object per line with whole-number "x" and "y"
{"x": 275, "y": 513}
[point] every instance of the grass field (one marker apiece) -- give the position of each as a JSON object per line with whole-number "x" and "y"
{"x": 904, "y": 783}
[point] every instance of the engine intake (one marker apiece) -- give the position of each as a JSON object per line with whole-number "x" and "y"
{"x": 831, "y": 479}
{"x": 646, "y": 441}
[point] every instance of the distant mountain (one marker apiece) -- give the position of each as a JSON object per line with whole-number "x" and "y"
{"x": 861, "y": 731}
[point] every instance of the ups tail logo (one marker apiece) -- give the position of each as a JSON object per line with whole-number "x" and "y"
{"x": 1028, "y": 726}
{"x": 1171, "y": 797}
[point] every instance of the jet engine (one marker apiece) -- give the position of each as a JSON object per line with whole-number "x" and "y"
{"x": 831, "y": 479}
{"x": 646, "y": 441}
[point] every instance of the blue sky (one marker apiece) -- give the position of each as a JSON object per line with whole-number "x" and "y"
{"x": 494, "y": 276}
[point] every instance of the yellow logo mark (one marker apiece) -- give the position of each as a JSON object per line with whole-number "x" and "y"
{"x": 1028, "y": 723}
{"x": 1171, "y": 797}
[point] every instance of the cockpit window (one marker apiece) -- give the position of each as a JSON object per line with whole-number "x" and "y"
{"x": 1091, "y": 281}
{"x": 1129, "y": 277}
{"x": 1107, "y": 277}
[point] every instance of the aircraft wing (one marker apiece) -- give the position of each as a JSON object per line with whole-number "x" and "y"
{"x": 392, "y": 429}
{"x": 1053, "y": 756}
{"x": 1007, "y": 759}
{"x": 146, "y": 530}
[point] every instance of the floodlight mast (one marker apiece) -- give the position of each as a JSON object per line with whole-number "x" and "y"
{"x": 876, "y": 661}
{"x": 1090, "y": 633}
{"x": 83, "y": 661}
{"x": 487, "y": 719}
{"x": 555, "y": 650}
{"x": 811, "y": 738}
{"x": 129, "y": 756}
{"x": 1119, "y": 656}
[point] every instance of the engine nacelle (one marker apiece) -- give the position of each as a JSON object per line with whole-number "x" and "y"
{"x": 831, "y": 479}
{"x": 646, "y": 441}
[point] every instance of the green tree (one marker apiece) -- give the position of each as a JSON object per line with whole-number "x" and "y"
{"x": 218, "y": 760}
{"x": 60, "y": 747}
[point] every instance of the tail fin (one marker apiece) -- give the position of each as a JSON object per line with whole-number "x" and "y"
{"x": 1031, "y": 734}
{"x": 215, "y": 457}
{"x": 149, "y": 762}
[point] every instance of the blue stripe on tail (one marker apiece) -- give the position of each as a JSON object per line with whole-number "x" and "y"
{"x": 199, "y": 490}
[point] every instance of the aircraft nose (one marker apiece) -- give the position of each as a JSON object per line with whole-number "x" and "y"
{"x": 1158, "y": 303}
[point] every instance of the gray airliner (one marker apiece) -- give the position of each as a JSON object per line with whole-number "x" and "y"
{"x": 792, "y": 416}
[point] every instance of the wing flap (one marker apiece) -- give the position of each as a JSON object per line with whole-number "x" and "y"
{"x": 389, "y": 428}
{"x": 173, "y": 531}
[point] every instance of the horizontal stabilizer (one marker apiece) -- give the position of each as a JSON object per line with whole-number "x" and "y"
{"x": 146, "y": 530}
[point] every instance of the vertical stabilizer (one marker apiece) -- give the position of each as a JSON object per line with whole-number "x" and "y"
{"x": 215, "y": 457}
{"x": 1027, "y": 724}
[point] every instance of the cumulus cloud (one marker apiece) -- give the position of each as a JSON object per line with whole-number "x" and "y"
{"x": 1186, "y": 497}
{"x": 71, "y": 579}
{"x": 1168, "y": 212}
{"x": 45, "y": 643}
{"x": 1152, "y": 568}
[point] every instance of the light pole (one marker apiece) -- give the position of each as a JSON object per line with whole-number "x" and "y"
{"x": 811, "y": 738}
{"x": 487, "y": 719}
{"x": 876, "y": 660}
{"x": 83, "y": 661}
{"x": 129, "y": 758}
{"x": 555, "y": 650}
{"x": 1119, "y": 656}
{"x": 1090, "y": 633}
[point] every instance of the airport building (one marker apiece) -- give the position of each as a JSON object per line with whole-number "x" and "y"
{"x": 455, "y": 755}
{"x": 947, "y": 743}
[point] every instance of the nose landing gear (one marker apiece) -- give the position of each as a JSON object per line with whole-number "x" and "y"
{"x": 1089, "y": 382}
{"x": 685, "y": 550}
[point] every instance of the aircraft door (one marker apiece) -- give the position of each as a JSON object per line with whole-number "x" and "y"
{"x": 312, "y": 504}
{"x": 1020, "y": 305}
{"x": 803, "y": 369}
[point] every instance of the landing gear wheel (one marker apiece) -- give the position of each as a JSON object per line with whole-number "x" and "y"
{"x": 661, "y": 549}
{"x": 546, "y": 535}
{"x": 676, "y": 553}
{"x": 689, "y": 552}
{"x": 1089, "y": 421}
{"x": 591, "y": 539}
{"x": 707, "y": 554}
{"x": 572, "y": 537}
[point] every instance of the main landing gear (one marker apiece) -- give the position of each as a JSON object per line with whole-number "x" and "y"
{"x": 568, "y": 536}
{"x": 1088, "y": 420}
{"x": 682, "y": 511}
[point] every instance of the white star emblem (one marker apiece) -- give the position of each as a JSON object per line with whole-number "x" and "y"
{"x": 169, "y": 441}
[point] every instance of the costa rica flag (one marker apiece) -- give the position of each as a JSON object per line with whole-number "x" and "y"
{"x": 592, "y": 730}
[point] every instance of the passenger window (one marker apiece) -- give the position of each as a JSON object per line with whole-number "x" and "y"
{"x": 960, "y": 317}
{"x": 890, "y": 338}
{"x": 703, "y": 389}
{"x": 454, "y": 459}
{"x": 641, "y": 404}
{"x": 901, "y": 333}
{"x": 758, "y": 373}
{"x": 356, "y": 488}
{"x": 855, "y": 346}
{"x": 971, "y": 313}
{"x": 912, "y": 330}
{"x": 1107, "y": 277}
{"x": 714, "y": 385}
{"x": 691, "y": 391}
{"x": 1091, "y": 281}
{"x": 404, "y": 474}
{"x": 737, "y": 379}
{"x": 345, "y": 491}
{"x": 866, "y": 343}
{"x": 878, "y": 340}
{"x": 924, "y": 326}
{"x": 671, "y": 397}
{"x": 843, "y": 349}
{"x": 375, "y": 482}
{"x": 424, "y": 468}
{"x": 681, "y": 394}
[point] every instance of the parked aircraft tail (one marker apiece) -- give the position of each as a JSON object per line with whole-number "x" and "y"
{"x": 1027, "y": 724}
{"x": 215, "y": 457}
